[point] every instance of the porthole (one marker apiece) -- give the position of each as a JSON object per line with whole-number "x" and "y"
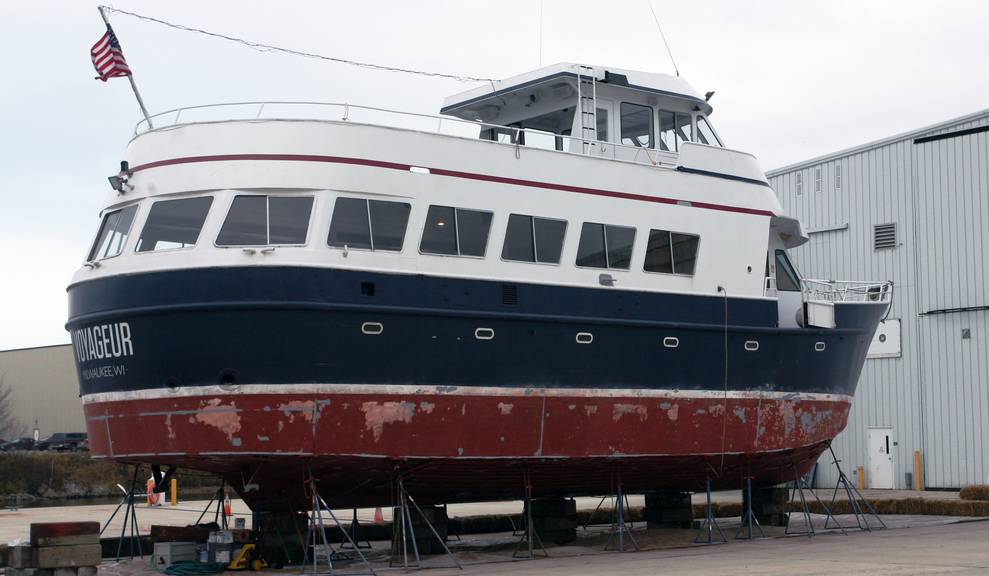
{"x": 819, "y": 346}
{"x": 372, "y": 328}
{"x": 751, "y": 345}
{"x": 671, "y": 341}
{"x": 484, "y": 334}
{"x": 584, "y": 337}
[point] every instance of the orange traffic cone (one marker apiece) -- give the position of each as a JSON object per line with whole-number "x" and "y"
{"x": 378, "y": 516}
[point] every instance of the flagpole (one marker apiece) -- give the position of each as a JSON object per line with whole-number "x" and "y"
{"x": 137, "y": 94}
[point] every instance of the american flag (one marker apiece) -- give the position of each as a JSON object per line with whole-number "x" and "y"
{"x": 108, "y": 58}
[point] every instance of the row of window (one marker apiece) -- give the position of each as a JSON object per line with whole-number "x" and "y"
{"x": 364, "y": 224}
{"x": 675, "y": 128}
{"x": 819, "y": 179}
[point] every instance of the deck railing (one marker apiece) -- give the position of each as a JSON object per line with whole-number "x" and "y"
{"x": 438, "y": 124}
{"x": 845, "y": 290}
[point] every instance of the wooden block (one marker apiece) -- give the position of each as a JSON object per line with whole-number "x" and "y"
{"x": 59, "y": 529}
{"x": 21, "y": 557}
{"x": 70, "y": 556}
{"x": 66, "y": 572}
{"x": 86, "y": 571}
{"x": 73, "y": 540}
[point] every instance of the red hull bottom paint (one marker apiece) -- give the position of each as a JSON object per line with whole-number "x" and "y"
{"x": 452, "y": 446}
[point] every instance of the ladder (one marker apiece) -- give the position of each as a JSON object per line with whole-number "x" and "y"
{"x": 587, "y": 99}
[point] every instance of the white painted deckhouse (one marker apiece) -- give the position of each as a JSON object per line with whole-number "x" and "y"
{"x": 566, "y": 275}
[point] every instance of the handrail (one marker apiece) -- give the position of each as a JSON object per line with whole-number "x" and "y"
{"x": 846, "y": 290}
{"x": 636, "y": 154}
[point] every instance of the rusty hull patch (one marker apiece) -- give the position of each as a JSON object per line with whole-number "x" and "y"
{"x": 377, "y": 414}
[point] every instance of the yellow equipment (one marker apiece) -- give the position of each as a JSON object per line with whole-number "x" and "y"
{"x": 247, "y": 558}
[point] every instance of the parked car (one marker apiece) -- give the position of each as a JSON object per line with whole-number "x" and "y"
{"x": 65, "y": 442}
{"x": 19, "y": 444}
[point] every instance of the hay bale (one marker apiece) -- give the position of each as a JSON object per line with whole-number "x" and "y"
{"x": 975, "y": 492}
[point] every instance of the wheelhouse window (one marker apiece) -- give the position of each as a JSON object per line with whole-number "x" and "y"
{"x": 705, "y": 134}
{"x": 637, "y": 125}
{"x": 174, "y": 224}
{"x": 787, "y": 279}
{"x": 455, "y": 232}
{"x": 671, "y": 252}
{"x": 368, "y": 224}
{"x": 113, "y": 233}
{"x": 602, "y": 124}
{"x": 674, "y": 130}
{"x": 266, "y": 221}
{"x": 605, "y": 246}
{"x": 531, "y": 239}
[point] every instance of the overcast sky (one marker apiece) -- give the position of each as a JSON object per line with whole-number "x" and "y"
{"x": 793, "y": 80}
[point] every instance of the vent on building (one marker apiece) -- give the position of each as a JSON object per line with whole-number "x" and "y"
{"x": 837, "y": 177}
{"x": 884, "y": 236}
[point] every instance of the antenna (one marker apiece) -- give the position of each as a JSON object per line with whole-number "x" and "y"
{"x": 663, "y": 36}
{"x": 541, "y": 33}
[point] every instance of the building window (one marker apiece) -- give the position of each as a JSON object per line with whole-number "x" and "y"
{"x": 174, "y": 224}
{"x": 266, "y": 221}
{"x": 531, "y": 239}
{"x": 884, "y": 236}
{"x": 637, "y": 125}
{"x": 368, "y": 224}
{"x": 113, "y": 233}
{"x": 605, "y": 246}
{"x": 455, "y": 232}
{"x": 837, "y": 176}
{"x": 671, "y": 252}
{"x": 800, "y": 183}
{"x": 817, "y": 179}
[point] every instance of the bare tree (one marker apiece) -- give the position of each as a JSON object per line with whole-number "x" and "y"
{"x": 10, "y": 426}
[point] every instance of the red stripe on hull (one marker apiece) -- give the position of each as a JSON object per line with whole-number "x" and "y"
{"x": 469, "y": 447}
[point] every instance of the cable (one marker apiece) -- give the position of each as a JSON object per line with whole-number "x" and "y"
{"x": 269, "y": 48}
{"x": 663, "y": 36}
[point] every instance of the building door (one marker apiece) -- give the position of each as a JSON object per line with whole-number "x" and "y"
{"x": 880, "y": 443}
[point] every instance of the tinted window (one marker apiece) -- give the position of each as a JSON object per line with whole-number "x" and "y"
{"x": 671, "y": 252}
{"x": 619, "y": 241}
{"x": 705, "y": 135}
{"x": 388, "y": 223}
{"x": 786, "y": 276}
{"x": 602, "y": 127}
{"x": 603, "y": 246}
{"x": 549, "y": 239}
{"x": 530, "y": 239}
{"x": 288, "y": 219}
{"x": 174, "y": 224}
{"x": 113, "y": 233}
{"x": 350, "y": 226}
{"x": 246, "y": 223}
{"x": 264, "y": 220}
{"x": 440, "y": 233}
{"x": 636, "y": 125}
{"x": 472, "y": 231}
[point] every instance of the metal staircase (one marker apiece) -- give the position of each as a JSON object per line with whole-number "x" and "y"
{"x": 587, "y": 97}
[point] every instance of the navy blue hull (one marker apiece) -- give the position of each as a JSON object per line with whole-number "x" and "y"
{"x": 287, "y": 325}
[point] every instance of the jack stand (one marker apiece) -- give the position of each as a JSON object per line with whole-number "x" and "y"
{"x": 316, "y": 536}
{"x": 593, "y": 514}
{"x": 130, "y": 520}
{"x": 710, "y": 523}
{"x": 355, "y": 528}
{"x": 799, "y": 485}
{"x": 618, "y": 526}
{"x": 404, "y": 531}
{"x": 859, "y": 505}
{"x": 529, "y": 537}
{"x": 219, "y": 517}
{"x": 748, "y": 517}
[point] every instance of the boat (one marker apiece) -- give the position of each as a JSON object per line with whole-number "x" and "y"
{"x": 564, "y": 276}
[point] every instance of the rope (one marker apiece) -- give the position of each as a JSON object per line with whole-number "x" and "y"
{"x": 261, "y": 47}
{"x": 663, "y": 36}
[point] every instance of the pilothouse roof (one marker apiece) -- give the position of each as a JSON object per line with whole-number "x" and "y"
{"x": 482, "y": 103}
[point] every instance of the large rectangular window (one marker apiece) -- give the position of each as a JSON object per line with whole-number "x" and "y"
{"x": 605, "y": 246}
{"x": 174, "y": 224}
{"x": 266, "y": 221}
{"x": 636, "y": 125}
{"x": 368, "y": 224}
{"x": 113, "y": 233}
{"x": 671, "y": 252}
{"x": 674, "y": 130}
{"x": 531, "y": 239}
{"x": 455, "y": 231}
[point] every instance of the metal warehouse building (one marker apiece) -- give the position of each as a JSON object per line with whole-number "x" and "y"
{"x": 44, "y": 391}
{"x": 913, "y": 209}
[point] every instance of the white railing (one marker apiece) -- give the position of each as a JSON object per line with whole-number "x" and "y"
{"x": 845, "y": 291}
{"x": 447, "y": 125}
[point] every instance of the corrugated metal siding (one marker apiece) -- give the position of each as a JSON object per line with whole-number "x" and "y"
{"x": 44, "y": 388}
{"x": 936, "y": 395}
